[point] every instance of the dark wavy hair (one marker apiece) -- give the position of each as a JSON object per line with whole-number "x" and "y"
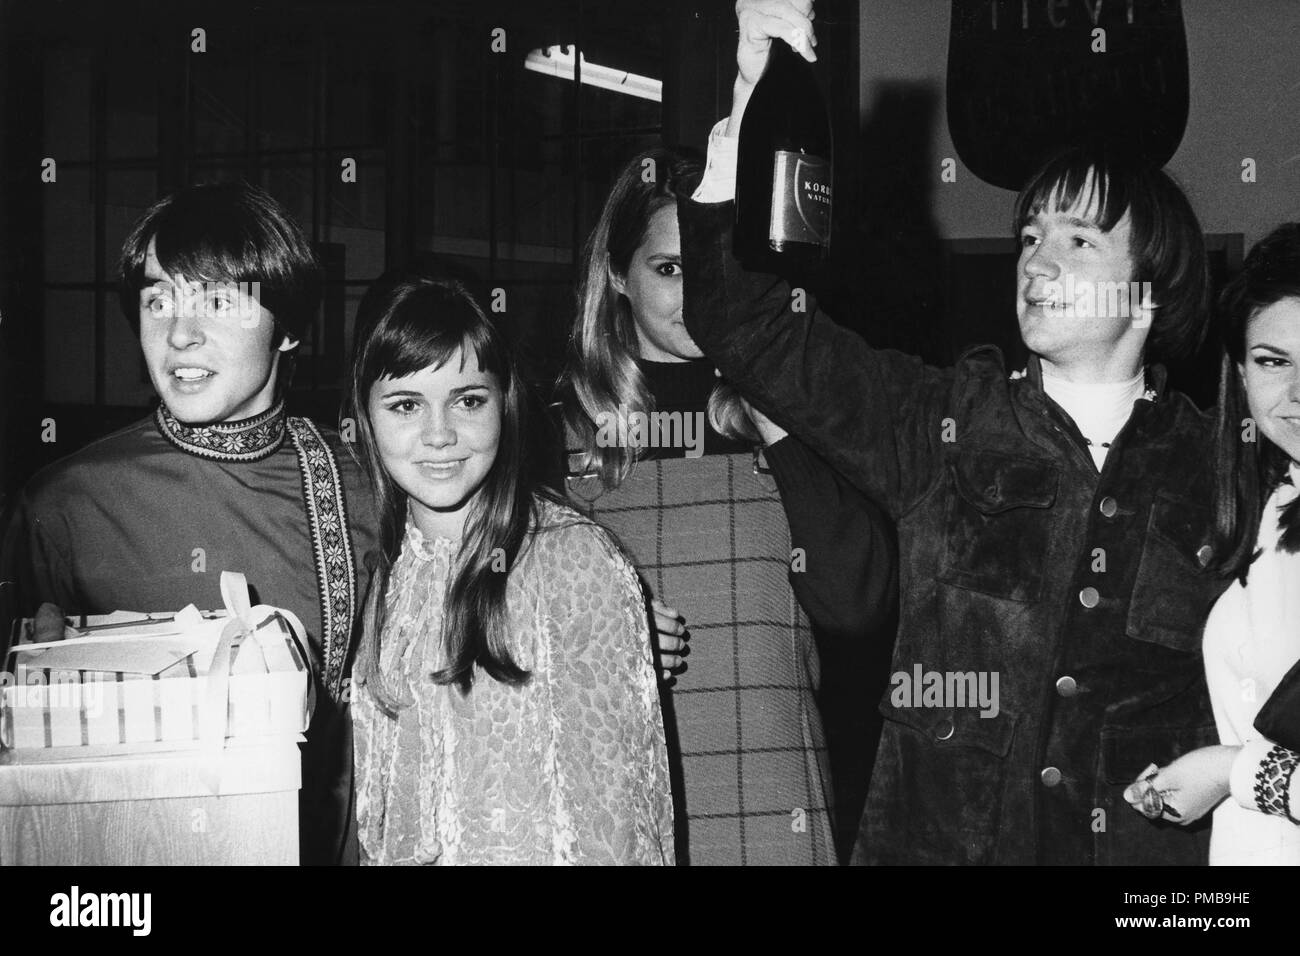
{"x": 1165, "y": 239}
{"x": 409, "y": 321}
{"x": 226, "y": 232}
{"x": 1248, "y": 472}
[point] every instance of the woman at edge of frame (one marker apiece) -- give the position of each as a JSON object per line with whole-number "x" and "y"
{"x": 1252, "y": 635}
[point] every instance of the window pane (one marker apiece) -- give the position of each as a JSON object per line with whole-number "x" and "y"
{"x": 460, "y": 203}
{"x": 285, "y": 95}
{"x": 359, "y": 203}
{"x": 220, "y": 95}
{"x": 128, "y": 193}
{"x": 69, "y": 227}
{"x": 359, "y": 90}
{"x": 125, "y": 380}
{"x": 289, "y": 180}
{"x": 132, "y": 89}
{"x": 364, "y": 260}
{"x": 69, "y": 346}
{"x": 67, "y": 103}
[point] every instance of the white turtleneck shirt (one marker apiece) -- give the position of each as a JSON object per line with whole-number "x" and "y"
{"x": 1099, "y": 409}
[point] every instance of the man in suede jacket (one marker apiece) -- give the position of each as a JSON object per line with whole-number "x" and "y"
{"x": 1053, "y": 523}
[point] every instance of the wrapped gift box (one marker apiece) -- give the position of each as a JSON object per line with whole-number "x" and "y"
{"x": 120, "y": 685}
{"x": 147, "y": 739}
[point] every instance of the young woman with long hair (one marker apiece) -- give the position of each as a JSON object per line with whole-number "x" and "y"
{"x": 505, "y": 708}
{"x": 1252, "y": 636}
{"x": 670, "y": 459}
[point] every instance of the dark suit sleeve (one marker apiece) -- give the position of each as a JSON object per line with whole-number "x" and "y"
{"x": 877, "y": 416}
{"x": 845, "y": 573}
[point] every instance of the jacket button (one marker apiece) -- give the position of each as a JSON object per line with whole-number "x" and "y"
{"x": 1203, "y": 555}
{"x": 1066, "y": 686}
{"x": 1089, "y": 597}
{"x": 943, "y": 730}
{"x": 1051, "y": 777}
{"x": 1109, "y": 506}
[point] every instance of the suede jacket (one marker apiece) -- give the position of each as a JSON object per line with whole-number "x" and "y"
{"x": 1073, "y": 600}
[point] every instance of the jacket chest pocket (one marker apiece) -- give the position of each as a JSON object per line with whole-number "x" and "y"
{"x": 998, "y": 523}
{"x": 1171, "y": 593}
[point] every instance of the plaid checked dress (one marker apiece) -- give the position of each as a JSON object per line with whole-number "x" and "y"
{"x": 710, "y": 538}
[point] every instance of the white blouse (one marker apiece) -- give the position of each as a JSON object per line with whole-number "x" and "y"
{"x": 1252, "y": 638}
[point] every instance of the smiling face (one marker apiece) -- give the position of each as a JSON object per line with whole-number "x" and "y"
{"x": 653, "y": 287}
{"x": 1063, "y": 254}
{"x": 208, "y": 350}
{"x": 437, "y": 432}
{"x": 1272, "y": 373}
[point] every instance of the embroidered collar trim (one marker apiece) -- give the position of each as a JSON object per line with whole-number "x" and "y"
{"x": 331, "y": 539}
{"x": 249, "y": 440}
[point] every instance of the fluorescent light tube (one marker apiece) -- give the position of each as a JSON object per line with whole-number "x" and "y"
{"x": 560, "y": 61}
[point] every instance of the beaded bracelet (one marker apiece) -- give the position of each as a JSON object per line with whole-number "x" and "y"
{"x": 1273, "y": 782}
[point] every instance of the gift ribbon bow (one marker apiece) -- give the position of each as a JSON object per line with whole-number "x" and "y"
{"x": 240, "y": 629}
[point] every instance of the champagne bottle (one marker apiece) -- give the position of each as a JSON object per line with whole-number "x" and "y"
{"x": 783, "y": 168}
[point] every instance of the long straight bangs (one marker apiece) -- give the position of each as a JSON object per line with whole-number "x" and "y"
{"x": 405, "y": 324}
{"x": 1166, "y": 244}
{"x": 404, "y": 339}
{"x": 1084, "y": 178}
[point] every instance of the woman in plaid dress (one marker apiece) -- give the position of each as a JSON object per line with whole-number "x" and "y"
{"x": 698, "y": 486}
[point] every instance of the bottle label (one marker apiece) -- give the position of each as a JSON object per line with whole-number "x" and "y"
{"x": 801, "y": 199}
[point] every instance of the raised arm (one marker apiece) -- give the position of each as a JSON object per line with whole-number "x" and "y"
{"x": 879, "y": 417}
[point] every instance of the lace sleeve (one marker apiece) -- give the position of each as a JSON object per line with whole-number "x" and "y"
{"x": 610, "y": 759}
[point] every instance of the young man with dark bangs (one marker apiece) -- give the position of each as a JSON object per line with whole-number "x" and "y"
{"x": 1054, "y": 523}
{"x": 220, "y": 284}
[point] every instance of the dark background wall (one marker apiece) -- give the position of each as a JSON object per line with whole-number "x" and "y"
{"x": 461, "y": 154}
{"x": 499, "y": 172}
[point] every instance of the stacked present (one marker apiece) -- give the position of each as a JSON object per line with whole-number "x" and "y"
{"x": 146, "y": 738}
{"x": 131, "y": 682}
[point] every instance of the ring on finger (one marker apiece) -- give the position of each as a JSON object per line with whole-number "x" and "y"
{"x": 1153, "y": 804}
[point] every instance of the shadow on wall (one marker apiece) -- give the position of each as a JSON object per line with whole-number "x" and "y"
{"x": 887, "y": 261}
